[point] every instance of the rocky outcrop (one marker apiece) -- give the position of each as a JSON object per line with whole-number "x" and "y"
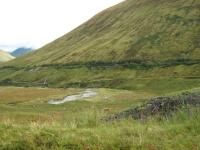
{"x": 159, "y": 106}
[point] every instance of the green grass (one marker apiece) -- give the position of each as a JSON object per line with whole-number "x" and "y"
{"x": 180, "y": 132}
{"x": 16, "y": 103}
{"x": 128, "y": 53}
{"x": 34, "y": 124}
{"x": 155, "y": 80}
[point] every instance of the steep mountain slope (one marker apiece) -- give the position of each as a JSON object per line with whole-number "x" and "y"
{"x": 5, "y": 56}
{"x": 137, "y": 44}
{"x": 21, "y": 51}
{"x": 147, "y": 30}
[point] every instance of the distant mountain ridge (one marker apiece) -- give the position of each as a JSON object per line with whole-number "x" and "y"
{"x": 4, "y": 56}
{"x": 21, "y": 51}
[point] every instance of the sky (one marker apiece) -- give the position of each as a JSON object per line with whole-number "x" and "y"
{"x": 34, "y": 23}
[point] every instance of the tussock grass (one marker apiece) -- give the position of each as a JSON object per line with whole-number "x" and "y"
{"x": 79, "y": 125}
{"x": 180, "y": 132}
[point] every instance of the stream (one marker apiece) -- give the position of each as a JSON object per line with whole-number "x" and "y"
{"x": 84, "y": 95}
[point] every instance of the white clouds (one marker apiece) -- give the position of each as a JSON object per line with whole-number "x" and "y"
{"x": 37, "y": 22}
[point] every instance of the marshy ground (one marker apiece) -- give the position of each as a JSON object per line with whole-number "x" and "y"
{"x": 27, "y": 121}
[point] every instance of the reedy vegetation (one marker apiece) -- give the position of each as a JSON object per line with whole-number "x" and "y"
{"x": 33, "y": 124}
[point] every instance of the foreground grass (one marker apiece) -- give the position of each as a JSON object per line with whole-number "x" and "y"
{"x": 179, "y": 132}
{"x": 33, "y": 124}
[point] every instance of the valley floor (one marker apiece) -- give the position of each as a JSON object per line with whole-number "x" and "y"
{"x": 28, "y": 122}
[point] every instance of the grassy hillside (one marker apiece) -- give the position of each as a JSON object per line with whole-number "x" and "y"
{"x": 4, "y": 57}
{"x": 145, "y": 30}
{"x": 159, "y": 80}
{"x": 133, "y": 45}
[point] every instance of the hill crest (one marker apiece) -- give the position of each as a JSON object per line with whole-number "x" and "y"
{"x": 142, "y": 30}
{"x": 4, "y": 56}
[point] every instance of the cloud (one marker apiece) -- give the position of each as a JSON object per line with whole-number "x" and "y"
{"x": 38, "y": 22}
{"x": 10, "y": 47}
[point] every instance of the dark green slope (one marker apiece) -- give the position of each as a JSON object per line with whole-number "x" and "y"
{"x": 137, "y": 44}
{"x": 153, "y": 30}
